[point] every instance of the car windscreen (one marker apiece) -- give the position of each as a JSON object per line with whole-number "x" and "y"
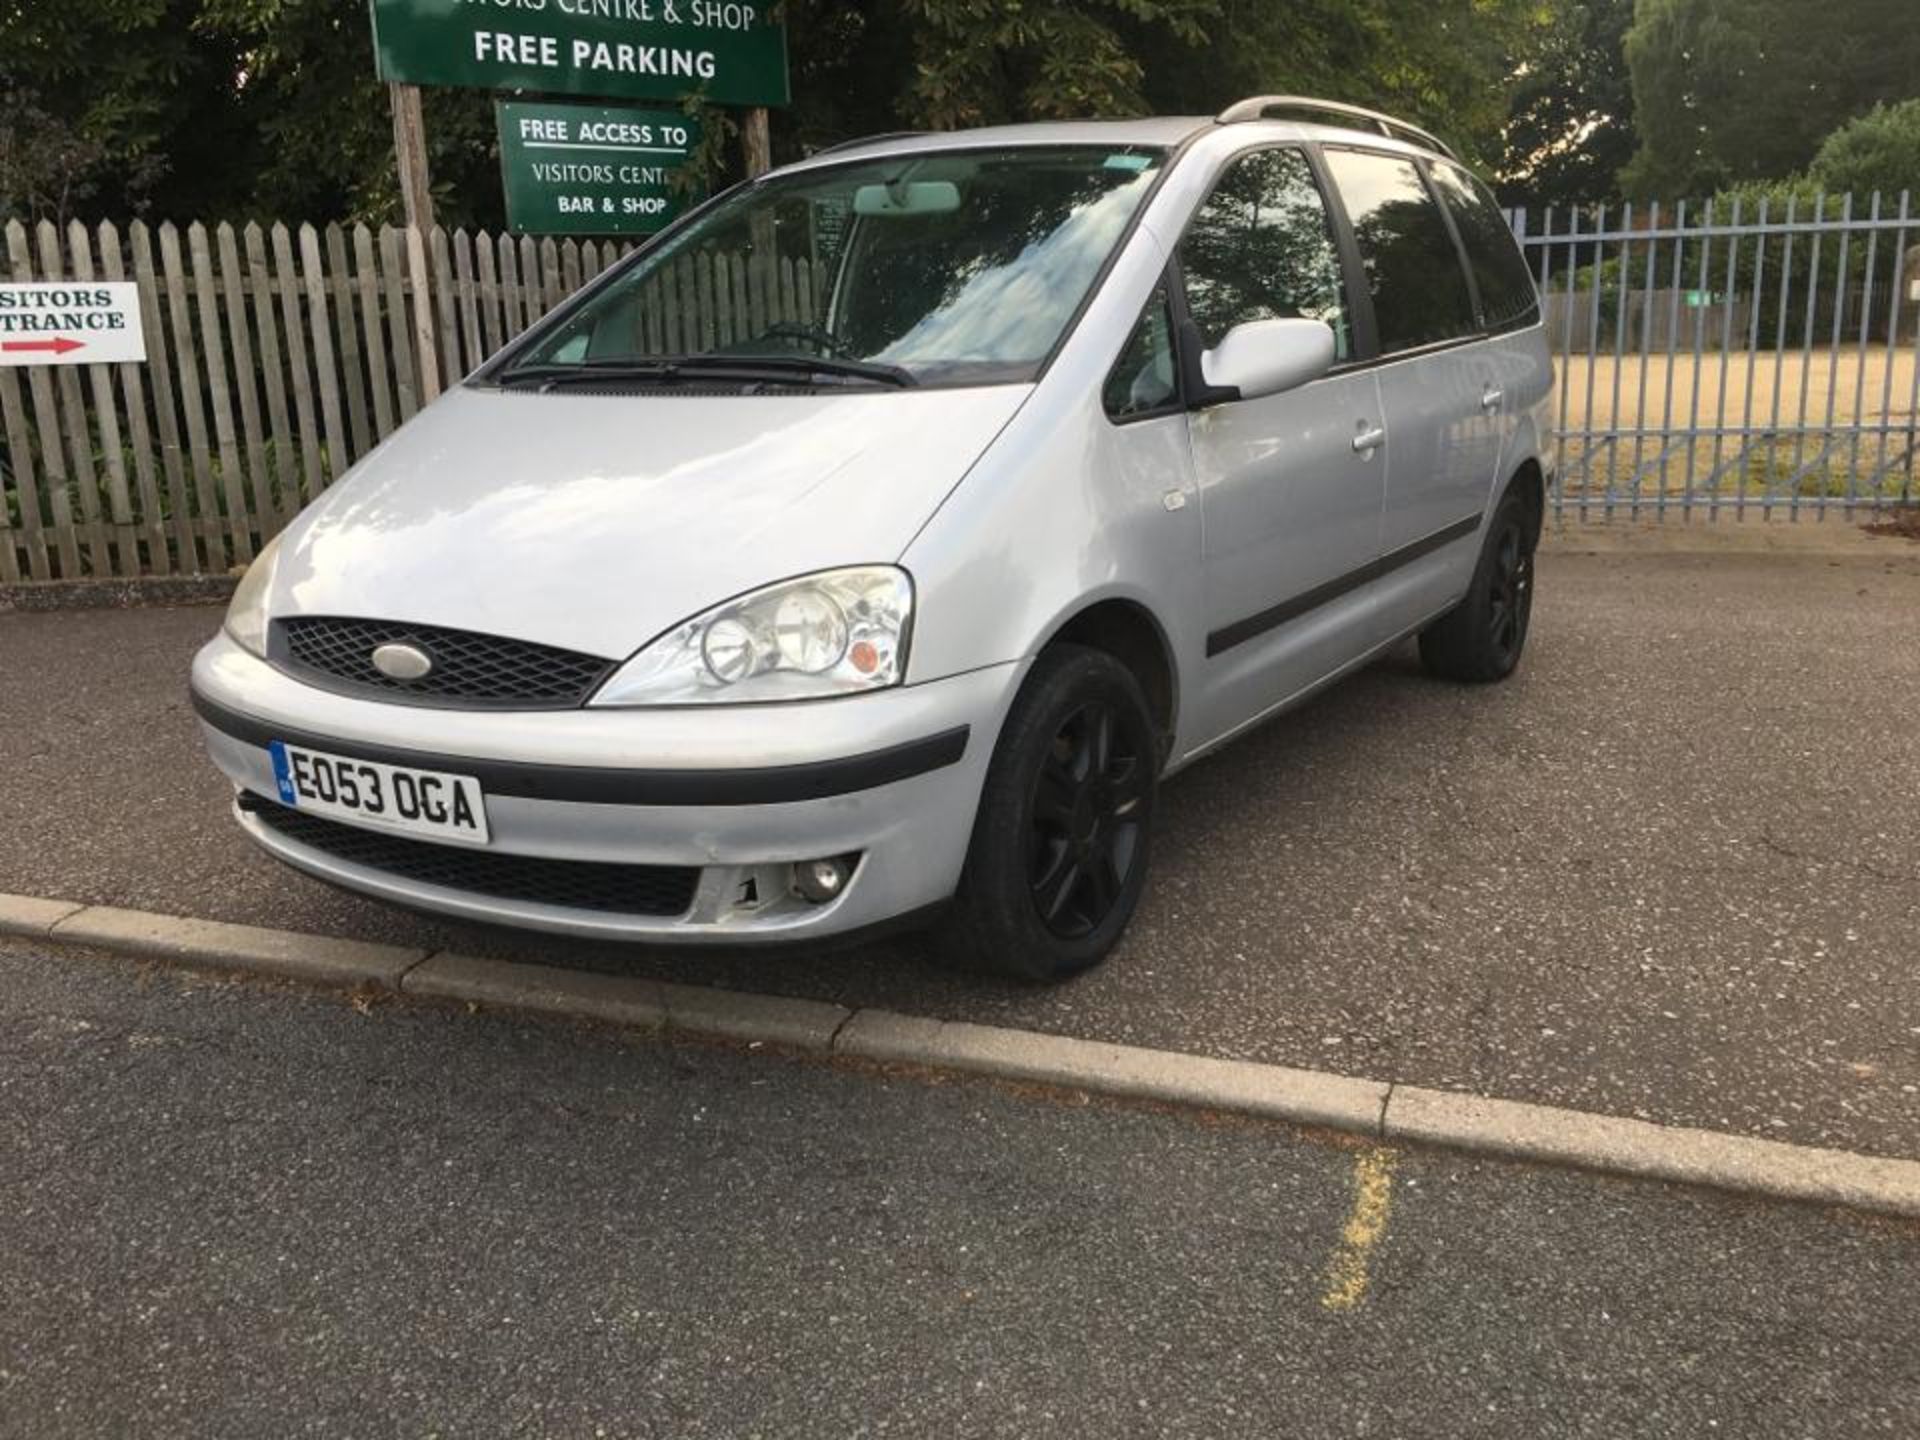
{"x": 936, "y": 268}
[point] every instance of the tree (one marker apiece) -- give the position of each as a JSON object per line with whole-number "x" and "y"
{"x": 321, "y": 113}
{"x": 1448, "y": 65}
{"x": 861, "y": 66}
{"x": 214, "y": 109}
{"x": 992, "y": 61}
{"x": 47, "y": 167}
{"x": 1571, "y": 128}
{"x": 1731, "y": 90}
{"x": 114, "y": 105}
{"x": 1879, "y": 151}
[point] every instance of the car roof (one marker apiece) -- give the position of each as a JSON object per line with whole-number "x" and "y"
{"x": 1163, "y": 132}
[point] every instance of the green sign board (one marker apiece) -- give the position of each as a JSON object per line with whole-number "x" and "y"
{"x": 592, "y": 169}
{"x": 732, "y": 52}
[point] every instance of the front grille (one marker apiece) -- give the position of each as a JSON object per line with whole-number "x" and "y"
{"x": 469, "y": 670}
{"x": 655, "y": 890}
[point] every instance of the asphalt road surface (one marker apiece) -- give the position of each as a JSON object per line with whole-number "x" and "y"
{"x": 1668, "y": 872}
{"x": 229, "y": 1209}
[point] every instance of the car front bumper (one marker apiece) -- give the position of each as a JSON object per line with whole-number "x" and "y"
{"x": 740, "y": 793}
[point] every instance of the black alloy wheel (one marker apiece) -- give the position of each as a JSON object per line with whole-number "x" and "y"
{"x": 1086, "y": 816}
{"x": 1510, "y": 593}
{"x": 1481, "y": 638}
{"x": 1061, "y": 842}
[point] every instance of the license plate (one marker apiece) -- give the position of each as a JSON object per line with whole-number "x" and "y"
{"x": 428, "y": 803}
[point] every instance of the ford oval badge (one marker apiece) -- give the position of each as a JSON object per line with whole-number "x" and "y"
{"x": 402, "y": 662}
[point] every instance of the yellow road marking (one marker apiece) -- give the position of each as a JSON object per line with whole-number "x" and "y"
{"x": 1372, "y": 1199}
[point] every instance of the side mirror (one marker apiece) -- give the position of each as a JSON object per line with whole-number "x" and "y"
{"x": 1264, "y": 357}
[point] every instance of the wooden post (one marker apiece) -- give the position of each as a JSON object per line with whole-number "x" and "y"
{"x": 756, "y": 140}
{"x": 758, "y": 145}
{"x": 425, "y": 343}
{"x": 416, "y": 198}
{"x": 410, "y": 154}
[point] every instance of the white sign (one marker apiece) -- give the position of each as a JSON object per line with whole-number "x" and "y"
{"x": 70, "y": 322}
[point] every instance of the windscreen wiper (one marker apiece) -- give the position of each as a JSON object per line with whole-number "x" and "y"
{"x": 671, "y": 369}
{"x": 589, "y": 372}
{"x": 803, "y": 365}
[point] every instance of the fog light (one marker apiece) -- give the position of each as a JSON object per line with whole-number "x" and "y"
{"x": 823, "y": 880}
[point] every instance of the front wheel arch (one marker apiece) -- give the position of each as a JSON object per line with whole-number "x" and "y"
{"x": 1132, "y": 635}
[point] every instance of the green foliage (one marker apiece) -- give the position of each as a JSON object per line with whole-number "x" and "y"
{"x": 1571, "y": 127}
{"x": 980, "y": 62}
{"x": 1756, "y": 270}
{"x": 1733, "y": 90}
{"x": 270, "y": 108}
{"x": 108, "y": 105}
{"x": 47, "y": 166}
{"x": 1448, "y": 65}
{"x": 1880, "y": 151}
{"x": 211, "y": 109}
{"x": 1778, "y": 267}
{"x": 326, "y": 127}
{"x": 1774, "y": 199}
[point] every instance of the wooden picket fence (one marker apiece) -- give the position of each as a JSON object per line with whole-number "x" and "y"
{"x": 277, "y": 358}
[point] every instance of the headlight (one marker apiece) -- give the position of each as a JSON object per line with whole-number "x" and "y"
{"x": 835, "y": 633}
{"x": 247, "y": 614}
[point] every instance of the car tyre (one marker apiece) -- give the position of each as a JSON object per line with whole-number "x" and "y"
{"x": 1060, "y": 846}
{"x": 1481, "y": 638}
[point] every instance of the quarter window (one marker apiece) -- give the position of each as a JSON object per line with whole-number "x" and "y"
{"x": 1261, "y": 248}
{"x": 1500, "y": 272}
{"x": 1143, "y": 379}
{"x": 1413, "y": 270}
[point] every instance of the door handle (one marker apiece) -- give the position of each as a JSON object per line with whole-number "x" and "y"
{"x": 1369, "y": 439}
{"x": 1490, "y": 398}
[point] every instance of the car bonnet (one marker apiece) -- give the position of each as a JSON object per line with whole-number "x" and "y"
{"x": 595, "y": 522}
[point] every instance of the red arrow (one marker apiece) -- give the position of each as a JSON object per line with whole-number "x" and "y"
{"x": 59, "y": 345}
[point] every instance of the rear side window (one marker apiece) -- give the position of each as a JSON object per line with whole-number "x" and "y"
{"x": 1261, "y": 248}
{"x": 1507, "y": 297}
{"x": 1413, "y": 270}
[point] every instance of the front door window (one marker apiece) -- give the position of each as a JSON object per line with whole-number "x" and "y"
{"x": 1261, "y": 248}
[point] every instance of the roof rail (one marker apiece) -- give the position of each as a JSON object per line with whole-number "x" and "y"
{"x": 865, "y": 140}
{"x": 1269, "y": 107}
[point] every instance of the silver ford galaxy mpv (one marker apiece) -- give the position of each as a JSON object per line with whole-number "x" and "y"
{"x": 872, "y": 543}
